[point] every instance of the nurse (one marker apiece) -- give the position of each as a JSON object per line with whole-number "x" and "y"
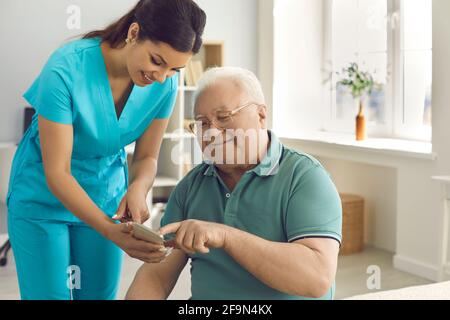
{"x": 70, "y": 184}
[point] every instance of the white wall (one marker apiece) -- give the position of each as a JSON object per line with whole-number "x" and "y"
{"x": 236, "y": 23}
{"x": 31, "y": 30}
{"x": 298, "y": 60}
{"x": 266, "y": 52}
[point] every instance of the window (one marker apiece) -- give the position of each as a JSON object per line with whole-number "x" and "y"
{"x": 393, "y": 40}
{"x": 415, "y": 74}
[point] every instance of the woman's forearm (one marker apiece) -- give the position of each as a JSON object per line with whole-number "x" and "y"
{"x": 66, "y": 188}
{"x": 143, "y": 172}
{"x": 286, "y": 267}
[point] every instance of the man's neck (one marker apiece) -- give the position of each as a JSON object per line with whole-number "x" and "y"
{"x": 236, "y": 172}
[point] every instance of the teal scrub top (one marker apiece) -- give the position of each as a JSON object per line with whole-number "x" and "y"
{"x": 289, "y": 196}
{"x": 73, "y": 88}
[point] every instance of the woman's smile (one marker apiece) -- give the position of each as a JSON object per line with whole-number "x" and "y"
{"x": 147, "y": 79}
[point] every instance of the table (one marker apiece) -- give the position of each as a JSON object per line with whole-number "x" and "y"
{"x": 7, "y": 151}
{"x": 444, "y": 264}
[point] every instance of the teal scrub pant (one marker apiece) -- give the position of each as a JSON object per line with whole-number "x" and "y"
{"x": 58, "y": 260}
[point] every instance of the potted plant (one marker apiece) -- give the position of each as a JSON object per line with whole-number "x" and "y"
{"x": 359, "y": 83}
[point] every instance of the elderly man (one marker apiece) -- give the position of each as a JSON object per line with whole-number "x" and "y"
{"x": 257, "y": 220}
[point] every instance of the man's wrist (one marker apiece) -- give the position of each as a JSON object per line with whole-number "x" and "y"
{"x": 229, "y": 235}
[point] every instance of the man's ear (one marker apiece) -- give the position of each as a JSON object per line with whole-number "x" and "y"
{"x": 262, "y": 112}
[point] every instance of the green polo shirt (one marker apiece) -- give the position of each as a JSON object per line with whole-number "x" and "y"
{"x": 287, "y": 197}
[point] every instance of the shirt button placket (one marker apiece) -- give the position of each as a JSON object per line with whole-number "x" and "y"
{"x": 229, "y": 216}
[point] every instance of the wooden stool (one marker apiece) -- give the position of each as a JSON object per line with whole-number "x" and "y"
{"x": 352, "y": 224}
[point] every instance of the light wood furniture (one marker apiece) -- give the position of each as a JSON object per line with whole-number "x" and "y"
{"x": 352, "y": 224}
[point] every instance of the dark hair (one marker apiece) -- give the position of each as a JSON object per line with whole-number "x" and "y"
{"x": 179, "y": 23}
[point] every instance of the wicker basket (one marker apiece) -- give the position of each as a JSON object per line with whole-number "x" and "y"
{"x": 352, "y": 224}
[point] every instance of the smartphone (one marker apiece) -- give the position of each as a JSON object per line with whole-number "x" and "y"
{"x": 145, "y": 233}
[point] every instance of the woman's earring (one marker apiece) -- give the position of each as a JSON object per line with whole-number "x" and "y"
{"x": 128, "y": 41}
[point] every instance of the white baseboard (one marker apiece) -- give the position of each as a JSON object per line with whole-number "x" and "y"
{"x": 417, "y": 268}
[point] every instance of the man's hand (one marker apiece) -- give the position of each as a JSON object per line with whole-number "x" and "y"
{"x": 194, "y": 236}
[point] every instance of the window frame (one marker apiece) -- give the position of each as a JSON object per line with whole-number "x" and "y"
{"x": 400, "y": 129}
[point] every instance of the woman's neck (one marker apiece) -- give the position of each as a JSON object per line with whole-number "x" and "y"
{"x": 115, "y": 60}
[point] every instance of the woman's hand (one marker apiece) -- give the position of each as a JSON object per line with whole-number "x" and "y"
{"x": 122, "y": 235}
{"x": 133, "y": 206}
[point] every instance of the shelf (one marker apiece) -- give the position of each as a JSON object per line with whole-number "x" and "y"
{"x": 190, "y": 89}
{"x": 168, "y": 136}
{"x": 7, "y": 145}
{"x": 162, "y": 181}
{"x": 211, "y": 55}
{"x": 444, "y": 179}
{"x": 129, "y": 149}
{"x": 178, "y": 135}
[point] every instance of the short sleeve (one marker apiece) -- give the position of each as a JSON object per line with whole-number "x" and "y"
{"x": 49, "y": 95}
{"x": 169, "y": 102}
{"x": 174, "y": 211}
{"x": 314, "y": 209}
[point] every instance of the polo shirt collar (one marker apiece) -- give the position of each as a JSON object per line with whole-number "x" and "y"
{"x": 210, "y": 169}
{"x": 267, "y": 167}
{"x": 270, "y": 164}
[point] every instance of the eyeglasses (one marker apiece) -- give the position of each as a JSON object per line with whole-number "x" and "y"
{"x": 222, "y": 119}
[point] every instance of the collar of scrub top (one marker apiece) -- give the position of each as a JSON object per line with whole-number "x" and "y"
{"x": 116, "y": 125}
{"x": 267, "y": 167}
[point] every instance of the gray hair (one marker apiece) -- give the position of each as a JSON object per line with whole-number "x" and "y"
{"x": 244, "y": 79}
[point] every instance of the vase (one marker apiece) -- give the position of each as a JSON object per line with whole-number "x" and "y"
{"x": 361, "y": 123}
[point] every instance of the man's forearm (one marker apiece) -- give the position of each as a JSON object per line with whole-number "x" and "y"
{"x": 146, "y": 286}
{"x": 290, "y": 268}
{"x": 156, "y": 281}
